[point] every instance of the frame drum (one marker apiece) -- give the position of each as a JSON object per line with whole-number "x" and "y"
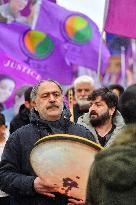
{"x": 64, "y": 160}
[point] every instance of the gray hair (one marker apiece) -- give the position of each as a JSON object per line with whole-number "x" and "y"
{"x": 83, "y": 79}
{"x": 35, "y": 88}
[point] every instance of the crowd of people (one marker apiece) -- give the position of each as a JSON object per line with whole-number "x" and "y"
{"x": 105, "y": 115}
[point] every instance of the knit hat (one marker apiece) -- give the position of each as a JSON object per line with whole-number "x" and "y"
{"x": 112, "y": 179}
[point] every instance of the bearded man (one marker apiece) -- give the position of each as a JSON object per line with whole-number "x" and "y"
{"x": 103, "y": 119}
{"x": 83, "y": 87}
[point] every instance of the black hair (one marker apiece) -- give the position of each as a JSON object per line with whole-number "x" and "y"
{"x": 117, "y": 87}
{"x": 2, "y": 119}
{"x": 1, "y": 107}
{"x": 107, "y": 95}
{"x": 127, "y": 104}
{"x": 27, "y": 94}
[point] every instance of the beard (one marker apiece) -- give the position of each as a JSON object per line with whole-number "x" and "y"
{"x": 100, "y": 119}
{"x": 83, "y": 101}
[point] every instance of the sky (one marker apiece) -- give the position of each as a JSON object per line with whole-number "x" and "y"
{"x": 92, "y": 8}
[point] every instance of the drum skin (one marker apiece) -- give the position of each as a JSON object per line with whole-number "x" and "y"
{"x": 64, "y": 160}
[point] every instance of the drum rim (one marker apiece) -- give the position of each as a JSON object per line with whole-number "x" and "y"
{"x": 70, "y": 138}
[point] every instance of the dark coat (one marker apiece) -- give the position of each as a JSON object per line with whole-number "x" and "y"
{"x": 21, "y": 119}
{"x": 78, "y": 112}
{"x": 16, "y": 174}
{"x": 112, "y": 179}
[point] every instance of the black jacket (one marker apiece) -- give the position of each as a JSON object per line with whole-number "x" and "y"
{"x": 78, "y": 112}
{"x": 16, "y": 174}
{"x": 21, "y": 119}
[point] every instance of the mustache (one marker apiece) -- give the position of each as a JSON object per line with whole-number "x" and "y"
{"x": 83, "y": 98}
{"x": 52, "y": 106}
{"x": 93, "y": 113}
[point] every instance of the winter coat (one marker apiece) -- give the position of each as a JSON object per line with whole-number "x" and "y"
{"x": 78, "y": 112}
{"x": 16, "y": 174}
{"x": 117, "y": 121}
{"x": 112, "y": 179}
{"x": 21, "y": 119}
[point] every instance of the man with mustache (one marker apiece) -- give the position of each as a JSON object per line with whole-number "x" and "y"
{"x": 103, "y": 119}
{"x": 48, "y": 116}
{"x": 83, "y": 87}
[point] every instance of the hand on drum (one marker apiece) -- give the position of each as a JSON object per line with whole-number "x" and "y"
{"x": 75, "y": 202}
{"x": 46, "y": 189}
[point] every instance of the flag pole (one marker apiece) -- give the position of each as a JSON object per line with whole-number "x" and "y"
{"x": 123, "y": 66}
{"x": 101, "y": 39}
{"x": 71, "y": 104}
{"x": 36, "y": 14}
{"x": 133, "y": 44}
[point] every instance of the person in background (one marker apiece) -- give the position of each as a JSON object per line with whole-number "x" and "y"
{"x": 7, "y": 86}
{"x": 22, "y": 118}
{"x": 70, "y": 91}
{"x": 103, "y": 119}
{"x": 48, "y": 117}
{"x": 83, "y": 87}
{"x": 112, "y": 178}
{"x": 18, "y": 101}
{"x": 4, "y": 198}
{"x": 127, "y": 104}
{"x": 116, "y": 89}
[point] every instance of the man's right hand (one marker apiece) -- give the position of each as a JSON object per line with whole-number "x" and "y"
{"x": 44, "y": 188}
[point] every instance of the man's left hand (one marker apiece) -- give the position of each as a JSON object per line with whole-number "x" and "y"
{"x": 75, "y": 202}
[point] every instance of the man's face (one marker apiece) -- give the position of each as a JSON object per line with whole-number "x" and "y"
{"x": 6, "y": 88}
{"x": 82, "y": 91}
{"x": 100, "y": 112}
{"x": 49, "y": 101}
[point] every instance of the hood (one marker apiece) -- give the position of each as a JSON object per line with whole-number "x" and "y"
{"x": 85, "y": 121}
{"x": 116, "y": 168}
{"x": 117, "y": 120}
{"x": 63, "y": 121}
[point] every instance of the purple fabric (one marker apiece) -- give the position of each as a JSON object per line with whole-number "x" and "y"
{"x": 58, "y": 64}
{"x": 121, "y": 18}
{"x": 26, "y": 10}
{"x": 19, "y": 72}
{"x": 85, "y": 54}
{"x": 53, "y": 66}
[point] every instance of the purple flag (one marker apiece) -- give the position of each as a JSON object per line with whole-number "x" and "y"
{"x": 37, "y": 49}
{"x": 13, "y": 75}
{"x": 121, "y": 18}
{"x": 79, "y": 35}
